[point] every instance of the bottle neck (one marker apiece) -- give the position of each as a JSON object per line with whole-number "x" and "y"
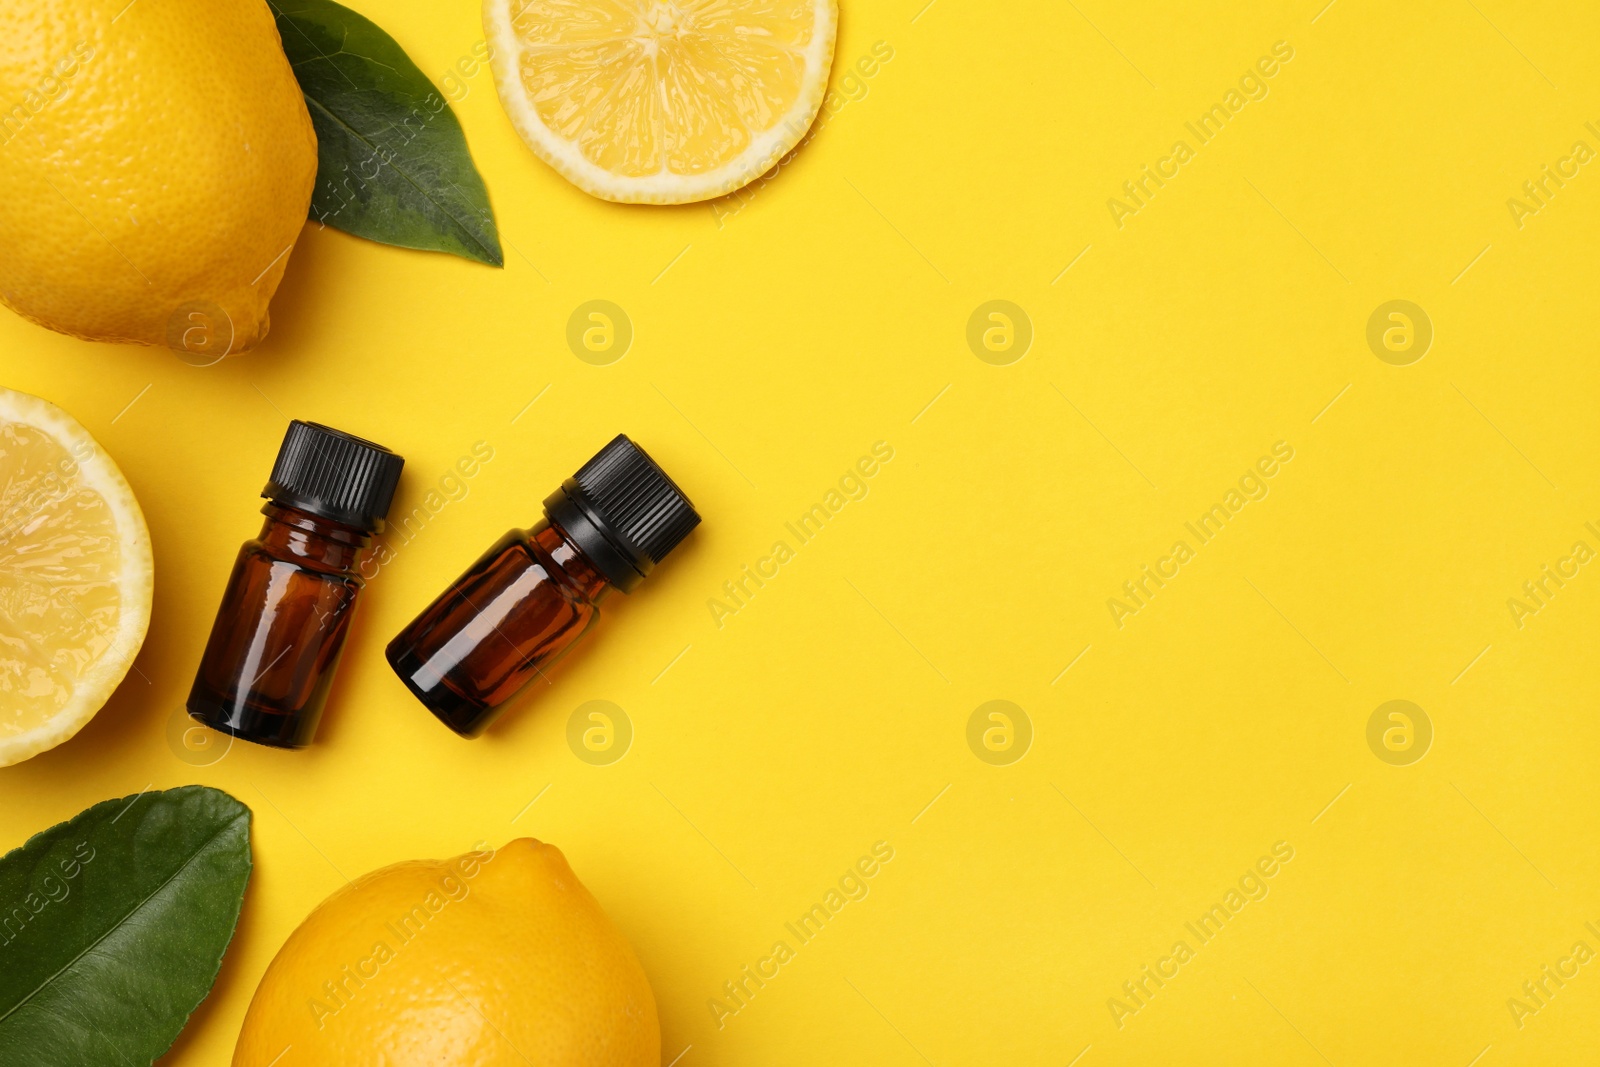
{"x": 549, "y": 540}
{"x": 622, "y": 568}
{"x": 298, "y": 536}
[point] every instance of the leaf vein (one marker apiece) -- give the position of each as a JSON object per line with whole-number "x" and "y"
{"x": 204, "y": 847}
{"x": 357, "y": 135}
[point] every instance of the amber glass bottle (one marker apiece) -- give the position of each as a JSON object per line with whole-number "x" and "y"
{"x": 535, "y": 592}
{"x": 277, "y": 637}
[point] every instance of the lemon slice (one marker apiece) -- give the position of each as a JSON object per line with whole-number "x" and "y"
{"x": 75, "y": 576}
{"x": 656, "y": 101}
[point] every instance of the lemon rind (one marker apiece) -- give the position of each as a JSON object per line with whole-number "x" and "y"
{"x": 762, "y": 154}
{"x": 137, "y": 578}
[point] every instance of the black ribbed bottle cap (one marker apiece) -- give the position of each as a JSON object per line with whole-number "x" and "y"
{"x": 623, "y": 511}
{"x": 334, "y": 475}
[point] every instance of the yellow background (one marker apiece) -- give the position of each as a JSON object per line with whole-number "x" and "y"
{"x": 774, "y": 346}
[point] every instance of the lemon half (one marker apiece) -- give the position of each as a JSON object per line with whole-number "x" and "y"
{"x": 75, "y": 576}
{"x": 661, "y": 102}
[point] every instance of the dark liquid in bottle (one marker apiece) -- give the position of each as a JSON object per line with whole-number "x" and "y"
{"x": 501, "y": 625}
{"x": 280, "y": 630}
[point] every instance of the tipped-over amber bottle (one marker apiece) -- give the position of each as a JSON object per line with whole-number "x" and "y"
{"x": 277, "y": 638}
{"x": 535, "y": 592}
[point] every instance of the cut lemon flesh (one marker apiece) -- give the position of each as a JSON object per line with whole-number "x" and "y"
{"x": 661, "y": 101}
{"x": 75, "y": 576}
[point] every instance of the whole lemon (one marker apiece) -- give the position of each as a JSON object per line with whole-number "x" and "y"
{"x": 491, "y": 959}
{"x": 156, "y": 164}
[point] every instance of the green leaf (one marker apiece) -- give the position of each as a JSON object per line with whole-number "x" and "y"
{"x": 392, "y": 164}
{"x": 113, "y": 925}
